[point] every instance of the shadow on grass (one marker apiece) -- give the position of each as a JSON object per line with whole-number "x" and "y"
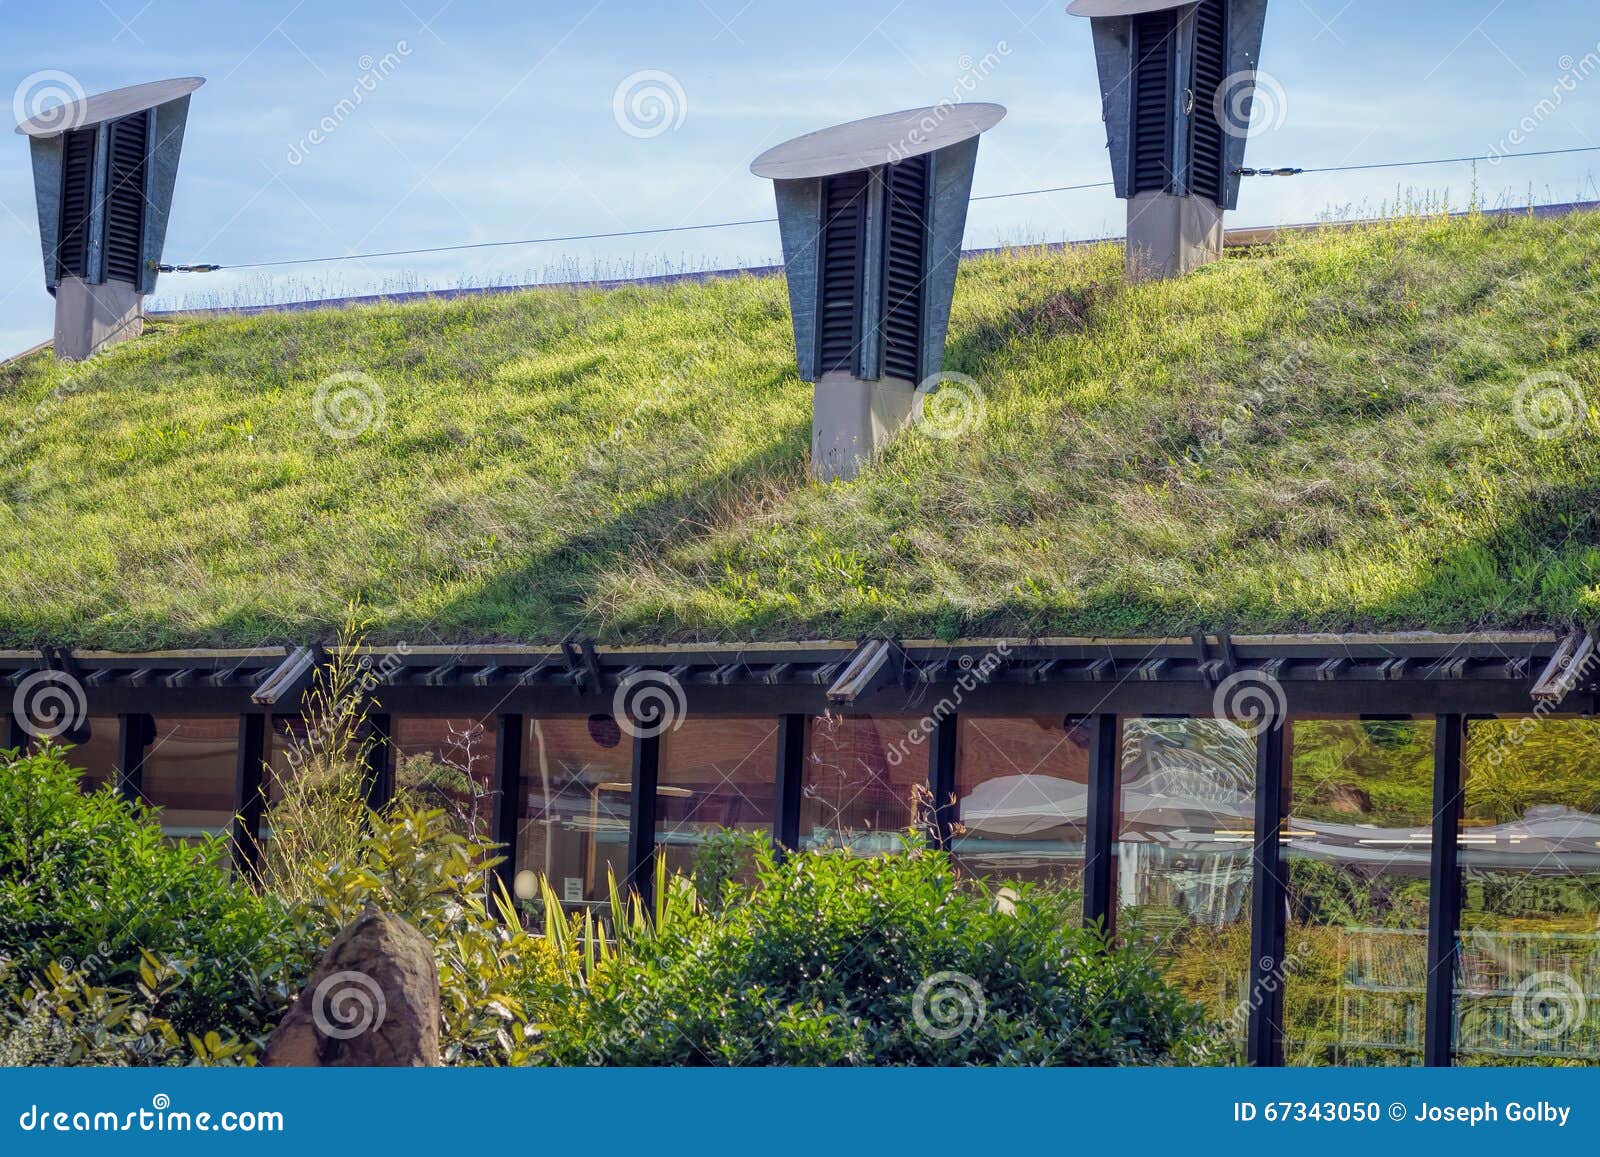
{"x": 1530, "y": 571}
{"x": 549, "y": 595}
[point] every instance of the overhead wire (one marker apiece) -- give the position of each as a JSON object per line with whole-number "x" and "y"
{"x": 1282, "y": 171}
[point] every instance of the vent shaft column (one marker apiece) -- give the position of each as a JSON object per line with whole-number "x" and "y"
{"x": 1176, "y": 85}
{"x": 872, "y": 215}
{"x": 104, "y": 168}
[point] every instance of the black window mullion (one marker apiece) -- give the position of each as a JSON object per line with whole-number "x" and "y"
{"x": 790, "y": 782}
{"x": 16, "y": 734}
{"x": 642, "y": 820}
{"x": 134, "y": 734}
{"x": 1100, "y": 838}
{"x": 378, "y": 774}
{"x": 249, "y": 762}
{"x": 942, "y": 780}
{"x": 1444, "y": 893}
{"x": 507, "y": 795}
{"x": 1268, "y": 902}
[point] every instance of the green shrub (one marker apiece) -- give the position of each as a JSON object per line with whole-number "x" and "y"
{"x": 63, "y": 1019}
{"x": 493, "y": 974}
{"x": 89, "y": 888}
{"x": 833, "y": 959}
{"x": 117, "y": 947}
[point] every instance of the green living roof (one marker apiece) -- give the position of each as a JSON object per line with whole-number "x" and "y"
{"x": 1347, "y": 430}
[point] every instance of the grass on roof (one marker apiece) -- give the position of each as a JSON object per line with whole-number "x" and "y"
{"x": 1335, "y": 433}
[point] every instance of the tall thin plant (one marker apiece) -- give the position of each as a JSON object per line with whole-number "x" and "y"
{"x": 320, "y": 814}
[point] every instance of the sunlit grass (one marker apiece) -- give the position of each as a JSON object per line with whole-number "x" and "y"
{"x": 1317, "y": 436}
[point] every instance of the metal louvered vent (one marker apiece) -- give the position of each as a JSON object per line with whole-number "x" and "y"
{"x": 844, "y": 243}
{"x": 77, "y": 204}
{"x": 1207, "y": 144}
{"x": 1155, "y": 36}
{"x": 129, "y": 140}
{"x": 905, "y": 266}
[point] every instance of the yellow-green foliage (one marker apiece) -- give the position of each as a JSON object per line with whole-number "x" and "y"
{"x": 1321, "y": 434}
{"x": 494, "y": 976}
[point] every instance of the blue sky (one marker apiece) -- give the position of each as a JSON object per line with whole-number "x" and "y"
{"x": 497, "y": 120}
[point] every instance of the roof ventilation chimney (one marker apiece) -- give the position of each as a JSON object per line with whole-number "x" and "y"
{"x": 872, "y": 214}
{"x": 1176, "y": 82}
{"x": 103, "y": 172}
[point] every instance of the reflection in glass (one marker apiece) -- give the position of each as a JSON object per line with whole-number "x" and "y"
{"x": 286, "y": 744}
{"x": 287, "y": 737}
{"x": 576, "y": 798}
{"x": 1357, "y": 845}
{"x": 860, "y": 775}
{"x": 1184, "y": 839}
{"x": 714, "y": 775}
{"x": 1528, "y": 977}
{"x": 189, "y": 772}
{"x": 447, "y": 764}
{"x": 97, "y": 755}
{"x": 1022, "y": 792}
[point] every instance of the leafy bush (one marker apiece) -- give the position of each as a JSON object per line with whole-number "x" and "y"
{"x": 829, "y": 958}
{"x": 63, "y": 1019}
{"x": 724, "y": 861}
{"x": 117, "y": 947}
{"x": 493, "y": 973}
{"x": 91, "y": 894}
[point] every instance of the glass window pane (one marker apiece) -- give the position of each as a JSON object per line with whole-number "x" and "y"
{"x": 285, "y": 736}
{"x": 286, "y": 743}
{"x": 1528, "y": 978}
{"x": 1022, "y": 795}
{"x": 1184, "y": 839}
{"x": 576, "y": 798}
{"x": 1357, "y": 844}
{"x": 449, "y": 764}
{"x": 97, "y": 755}
{"x": 188, "y": 774}
{"x": 714, "y": 775}
{"x": 861, "y": 771}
